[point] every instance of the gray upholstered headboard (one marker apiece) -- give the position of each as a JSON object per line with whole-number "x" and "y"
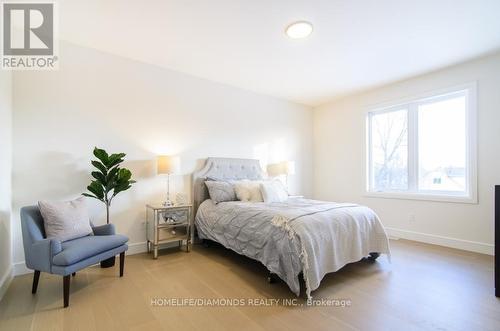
{"x": 223, "y": 168}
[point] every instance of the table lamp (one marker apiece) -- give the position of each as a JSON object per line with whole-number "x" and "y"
{"x": 283, "y": 168}
{"x": 168, "y": 165}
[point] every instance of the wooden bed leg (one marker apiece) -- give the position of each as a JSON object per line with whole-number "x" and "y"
{"x": 373, "y": 256}
{"x": 271, "y": 278}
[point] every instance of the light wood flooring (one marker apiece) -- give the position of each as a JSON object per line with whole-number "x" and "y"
{"x": 424, "y": 288}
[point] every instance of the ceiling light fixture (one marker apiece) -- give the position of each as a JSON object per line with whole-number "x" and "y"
{"x": 299, "y": 30}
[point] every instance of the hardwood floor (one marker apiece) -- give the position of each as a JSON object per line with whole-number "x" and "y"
{"x": 424, "y": 288}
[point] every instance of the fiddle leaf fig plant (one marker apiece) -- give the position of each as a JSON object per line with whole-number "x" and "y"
{"x": 109, "y": 178}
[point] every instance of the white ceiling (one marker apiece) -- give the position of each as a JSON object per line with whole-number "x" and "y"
{"x": 355, "y": 45}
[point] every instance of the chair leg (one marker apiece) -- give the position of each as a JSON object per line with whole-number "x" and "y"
{"x": 36, "y": 277}
{"x": 66, "y": 280}
{"x": 122, "y": 263}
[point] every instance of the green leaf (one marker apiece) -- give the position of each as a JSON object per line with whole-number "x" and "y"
{"x": 123, "y": 181}
{"x": 100, "y": 166}
{"x": 115, "y": 159}
{"x": 115, "y": 163}
{"x": 111, "y": 185}
{"x": 112, "y": 174}
{"x": 117, "y": 156}
{"x": 100, "y": 177}
{"x": 121, "y": 188}
{"x": 91, "y": 196}
{"x": 97, "y": 189}
{"x": 102, "y": 156}
{"x": 124, "y": 174}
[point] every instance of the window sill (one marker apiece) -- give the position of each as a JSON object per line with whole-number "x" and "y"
{"x": 422, "y": 197}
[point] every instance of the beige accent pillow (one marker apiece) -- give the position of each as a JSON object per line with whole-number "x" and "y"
{"x": 65, "y": 220}
{"x": 248, "y": 190}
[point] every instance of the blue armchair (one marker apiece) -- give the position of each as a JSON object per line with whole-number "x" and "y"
{"x": 68, "y": 257}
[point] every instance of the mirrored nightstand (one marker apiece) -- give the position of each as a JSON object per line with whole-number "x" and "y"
{"x": 166, "y": 224}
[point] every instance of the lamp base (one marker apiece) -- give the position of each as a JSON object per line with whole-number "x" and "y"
{"x": 168, "y": 203}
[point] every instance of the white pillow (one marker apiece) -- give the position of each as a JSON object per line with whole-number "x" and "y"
{"x": 65, "y": 220}
{"x": 273, "y": 191}
{"x": 247, "y": 190}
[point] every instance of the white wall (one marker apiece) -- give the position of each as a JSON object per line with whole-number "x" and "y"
{"x": 97, "y": 99}
{"x": 339, "y": 147}
{"x": 5, "y": 178}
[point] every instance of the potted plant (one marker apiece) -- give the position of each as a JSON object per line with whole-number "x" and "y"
{"x": 109, "y": 180}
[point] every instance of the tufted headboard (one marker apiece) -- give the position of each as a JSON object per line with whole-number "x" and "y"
{"x": 223, "y": 168}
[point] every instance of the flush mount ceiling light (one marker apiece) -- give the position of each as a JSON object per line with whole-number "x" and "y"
{"x": 299, "y": 30}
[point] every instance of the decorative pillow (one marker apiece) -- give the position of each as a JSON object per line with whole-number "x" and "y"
{"x": 247, "y": 190}
{"x": 273, "y": 191}
{"x": 65, "y": 220}
{"x": 220, "y": 191}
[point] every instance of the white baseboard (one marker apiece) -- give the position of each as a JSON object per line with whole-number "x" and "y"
{"x": 5, "y": 282}
{"x": 137, "y": 248}
{"x": 19, "y": 268}
{"x": 466, "y": 245}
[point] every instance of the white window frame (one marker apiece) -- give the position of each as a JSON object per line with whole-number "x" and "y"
{"x": 411, "y": 104}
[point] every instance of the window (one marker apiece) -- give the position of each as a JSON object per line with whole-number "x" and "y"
{"x": 424, "y": 148}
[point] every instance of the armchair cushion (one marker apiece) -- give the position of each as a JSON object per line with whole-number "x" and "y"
{"x": 80, "y": 249}
{"x": 103, "y": 230}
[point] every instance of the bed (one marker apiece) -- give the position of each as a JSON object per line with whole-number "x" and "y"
{"x": 298, "y": 236}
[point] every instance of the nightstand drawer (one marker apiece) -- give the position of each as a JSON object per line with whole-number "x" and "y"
{"x": 172, "y": 233}
{"x": 176, "y": 215}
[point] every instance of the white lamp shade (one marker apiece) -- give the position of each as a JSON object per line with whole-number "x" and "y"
{"x": 282, "y": 168}
{"x": 274, "y": 170}
{"x": 168, "y": 164}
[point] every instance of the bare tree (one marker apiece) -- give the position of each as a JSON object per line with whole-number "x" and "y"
{"x": 392, "y": 134}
